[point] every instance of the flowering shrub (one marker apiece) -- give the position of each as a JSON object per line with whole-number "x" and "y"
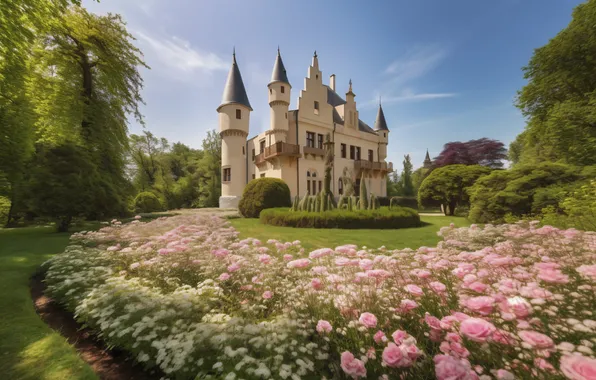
{"x": 186, "y": 295}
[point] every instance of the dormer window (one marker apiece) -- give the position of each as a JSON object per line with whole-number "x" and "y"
{"x": 238, "y": 114}
{"x": 283, "y": 89}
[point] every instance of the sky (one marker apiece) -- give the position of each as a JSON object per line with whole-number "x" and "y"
{"x": 445, "y": 70}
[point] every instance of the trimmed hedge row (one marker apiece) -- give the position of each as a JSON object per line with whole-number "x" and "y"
{"x": 374, "y": 219}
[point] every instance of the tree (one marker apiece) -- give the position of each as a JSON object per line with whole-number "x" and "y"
{"x": 61, "y": 182}
{"x": 145, "y": 153}
{"x": 418, "y": 176}
{"x": 525, "y": 189}
{"x": 484, "y": 151}
{"x": 560, "y": 97}
{"x": 210, "y": 171}
{"x": 447, "y": 186}
{"x": 86, "y": 80}
{"x": 406, "y": 177}
{"x": 394, "y": 185}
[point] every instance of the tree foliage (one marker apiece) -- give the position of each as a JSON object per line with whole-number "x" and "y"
{"x": 484, "y": 151}
{"x": 560, "y": 97}
{"x": 406, "y": 177}
{"x": 447, "y": 186}
{"x": 523, "y": 190}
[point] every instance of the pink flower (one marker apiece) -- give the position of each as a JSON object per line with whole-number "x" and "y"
{"x": 366, "y": 264}
{"x": 536, "y": 339}
{"x": 578, "y": 367}
{"x": 316, "y": 284}
{"x": 368, "y": 320}
{"x": 394, "y": 357}
{"x": 414, "y": 290}
{"x": 411, "y": 350}
{"x": 407, "y": 305}
{"x": 379, "y": 337}
{"x": 224, "y": 277}
{"x": 377, "y": 273}
{"x": 478, "y": 287}
{"x": 587, "y": 271}
{"x": 352, "y": 366}
{"x": 165, "y": 251}
{"x": 138, "y": 217}
{"x": 399, "y": 336}
{"x": 450, "y": 368}
{"x": 324, "y": 326}
{"x": 320, "y": 253}
{"x": 300, "y": 263}
{"x": 517, "y": 306}
{"x": 319, "y": 269}
{"x": 234, "y": 267}
{"x": 267, "y": 294}
{"x": 433, "y": 322}
{"x": 437, "y": 287}
{"x": 503, "y": 374}
{"x": 476, "y": 329}
{"x": 482, "y": 305}
{"x": 220, "y": 252}
{"x": 264, "y": 258}
{"x": 553, "y": 276}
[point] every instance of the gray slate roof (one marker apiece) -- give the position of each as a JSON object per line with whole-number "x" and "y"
{"x": 363, "y": 127}
{"x": 279, "y": 71}
{"x": 335, "y": 100}
{"x": 234, "y": 91}
{"x": 381, "y": 123}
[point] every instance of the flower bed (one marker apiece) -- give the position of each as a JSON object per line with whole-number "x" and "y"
{"x": 184, "y": 294}
{"x": 384, "y": 218}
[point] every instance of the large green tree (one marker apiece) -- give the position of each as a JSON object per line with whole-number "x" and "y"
{"x": 406, "y": 177}
{"x": 86, "y": 81}
{"x": 447, "y": 186}
{"x": 559, "y": 100}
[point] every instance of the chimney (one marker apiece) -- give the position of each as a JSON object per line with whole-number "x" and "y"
{"x": 332, "y": 81}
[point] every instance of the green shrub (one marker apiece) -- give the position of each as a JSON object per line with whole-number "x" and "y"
{"x": 522, "y": 191}
{"x": 4, "y": 209}
{"x": 410, "y": 202}
{"x": 264, "y": 193}
{"x": 147, "y": 202}
{"x": 577, "y": 210}
{"x": 384, "y": 218}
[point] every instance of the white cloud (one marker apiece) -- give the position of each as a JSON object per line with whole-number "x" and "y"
{"x": 408, "y": 96}
{"x": 178, "y": 54}
{"x": 415, "y": 63}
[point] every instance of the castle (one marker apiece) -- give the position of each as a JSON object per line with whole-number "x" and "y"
{"x": 294, "y": 146}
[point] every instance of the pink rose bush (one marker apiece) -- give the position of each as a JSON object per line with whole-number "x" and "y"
{"x": 186, "y": 295}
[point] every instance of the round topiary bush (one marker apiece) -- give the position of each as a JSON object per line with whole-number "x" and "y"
{"x": 263, "y": 193}
{"x": 147, "y": 202}
{"x": 384, "y": 218}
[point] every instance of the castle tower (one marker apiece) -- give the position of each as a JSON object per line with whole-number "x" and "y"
{"x": 427, "y": 161}
{"x": 234, "y": 116}
{"x": 383, "y": 132}
{"x": 350, "y": 112}
{"x": 279, "y": 101}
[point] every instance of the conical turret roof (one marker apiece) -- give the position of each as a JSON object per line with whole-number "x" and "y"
{"x": 279, "y": 71}
{"x": 427, "y": 158}
{"x": 234, "y": 91}
{"x": 380, "y": 122}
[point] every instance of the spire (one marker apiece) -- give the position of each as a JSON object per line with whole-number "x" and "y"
{"x": 315, "y": 61}
{"x": 427, "y": 161}
{"x": 350, "y": 92}
{"x": 380, "y": 122}
{"x": 279, "y": 71}
{"x": 234, "y": 91}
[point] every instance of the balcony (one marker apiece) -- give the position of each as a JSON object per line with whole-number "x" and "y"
{"x": 372, "y": 165}
{"x": 314, "y": 151}
{"x": 277, "y": 150}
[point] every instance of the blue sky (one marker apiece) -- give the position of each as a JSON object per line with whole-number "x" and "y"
{"x": 446, "y": 70}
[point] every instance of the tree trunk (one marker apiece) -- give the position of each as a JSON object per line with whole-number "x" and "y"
{"x": 452, "y": 208}
{"x": 63, "y": 224}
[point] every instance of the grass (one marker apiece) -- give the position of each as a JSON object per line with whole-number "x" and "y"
{"x": 29, "y": 349}
{"x": 312, "y": 238}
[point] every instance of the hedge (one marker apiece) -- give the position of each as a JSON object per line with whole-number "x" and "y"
{"x": 411, "y": 202}
{"x": 399, "y": 217}
{"x": 263, "y": 193}
{"x": 147, "y": 202}
{"x": 4, "y": 209}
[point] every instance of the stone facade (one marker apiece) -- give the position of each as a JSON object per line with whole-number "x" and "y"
{"x": 293, "y": 148}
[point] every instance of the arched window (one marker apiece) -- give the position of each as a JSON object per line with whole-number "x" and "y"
{"x": 340, "y": 186}
{"x": 308, "y": 173}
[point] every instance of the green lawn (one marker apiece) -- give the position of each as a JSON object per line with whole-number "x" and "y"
{"x": 29, "y": 349}
{"x": 317, "y": 238}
